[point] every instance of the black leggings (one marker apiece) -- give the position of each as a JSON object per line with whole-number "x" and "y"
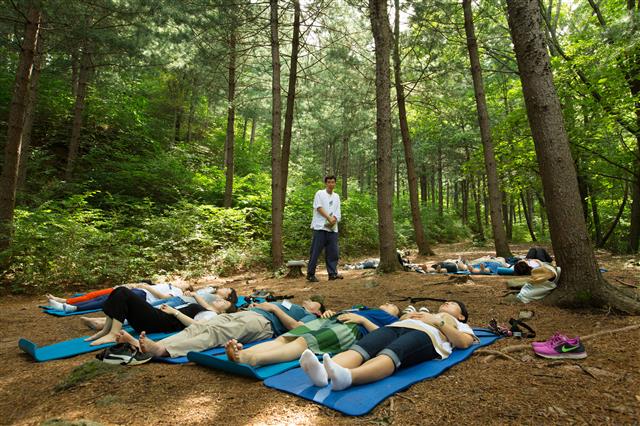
{"x": 123, "y": 304}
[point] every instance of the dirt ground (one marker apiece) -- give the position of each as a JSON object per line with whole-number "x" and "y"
{"x": 604, "y": 388}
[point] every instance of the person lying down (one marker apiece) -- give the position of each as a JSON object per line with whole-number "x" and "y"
{"x": 417, "y": 337}
{"x": 333, "y": 332}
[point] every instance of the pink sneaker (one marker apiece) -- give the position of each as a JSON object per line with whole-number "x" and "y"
{"x": 564, "y": 349}
{"x": 553, "y": 340}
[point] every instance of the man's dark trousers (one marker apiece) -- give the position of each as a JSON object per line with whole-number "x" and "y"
{"x": 329, "y": 242}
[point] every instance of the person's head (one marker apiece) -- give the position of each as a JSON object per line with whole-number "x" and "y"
{"x": 224, "y": 306}
{"x": 522, "y": 268}
{"x": 315, "y": 308}
{"x": 228, "y": 293}
{"x": 330, "y": 182}
{"x": 456, "y": 309}
{"x": 391, "y": 309}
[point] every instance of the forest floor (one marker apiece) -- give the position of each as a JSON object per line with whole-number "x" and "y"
{"x": 604, "y": 388}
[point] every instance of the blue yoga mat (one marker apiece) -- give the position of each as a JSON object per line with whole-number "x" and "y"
{"x": 69, "y": 348}
{"x": 222, "y": 363}
{"x": 58, "y": 313}
{"x": 501, "y": 271}
{"x": 173, "y": 301}
{"x": 359, "y": 400}
{"x": 211, "y": 352}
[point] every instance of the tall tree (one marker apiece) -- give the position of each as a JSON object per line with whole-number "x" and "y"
{"x": 291, "y": 98}
{"x": 229, "y": 141}
{"x": 412, "y": 177}
{"x": 277, "y": 212}
{"x": 382, "y": 37}
{"x": 580, "y": 283}
{"x": 13, "y": 148}
{"x": 86, "y": 68}
{"x": 495, "y": 196}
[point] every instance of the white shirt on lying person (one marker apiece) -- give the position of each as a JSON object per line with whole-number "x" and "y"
{"x": 440, "y": 343}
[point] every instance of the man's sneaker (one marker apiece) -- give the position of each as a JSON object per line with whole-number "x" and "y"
{"x": 312, "y": 279}
{"x": 123, "y": 354}
{"x": 424, "y": 309}
{"x": 554, "y": 340}
{"x": 335, "y": 277}
{"x": 564, "y": 349}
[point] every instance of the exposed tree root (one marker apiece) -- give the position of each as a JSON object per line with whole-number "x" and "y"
{"x": 516, "y": 348}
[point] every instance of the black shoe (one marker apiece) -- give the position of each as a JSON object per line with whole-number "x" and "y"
{"x": 123, "y": 354}
{"x": 335, "y": 277}
{"x": 312, "y": 279}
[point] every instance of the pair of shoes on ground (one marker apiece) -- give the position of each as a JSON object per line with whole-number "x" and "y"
{"x": 123, "y": 354}
{"x": 314, "y": 279}
{"x": 410, "y": 309}
{"x": 560, "y": 346}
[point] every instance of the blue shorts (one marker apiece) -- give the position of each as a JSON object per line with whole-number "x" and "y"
{"x": 405, "y": 346}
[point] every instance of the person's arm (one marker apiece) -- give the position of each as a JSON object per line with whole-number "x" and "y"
{"x": 155, "y": 292}
{"x": 457, "y": 338}
{"x": 357, "y": 319}
{"x": 184, "y": 319}
{"x": 324, "y": 214}
{"x": 288, "y": 322}
{"x": 327, "y": 314}
{"x": 200, "y": 300}
{"x": 337, "y": 213}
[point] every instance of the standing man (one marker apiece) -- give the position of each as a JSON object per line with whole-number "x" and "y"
{"x": 326, "y": 215}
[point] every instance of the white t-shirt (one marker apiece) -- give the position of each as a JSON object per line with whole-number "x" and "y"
{"x": 162, "y": 288}
{"x": 441, "y": 345}
{"x": 331, "y": 204}
{"x": 205, "y": 316}
{"x": 206, "y": 294}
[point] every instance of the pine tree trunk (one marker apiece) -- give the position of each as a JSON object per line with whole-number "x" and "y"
{"x": 477, "y": 197}
{"x": 580, "y": 283}
{"x": 345, "y": 166}
{"x": 596, "y": 217}
{"x": 465, "y": 202}
{"x": 15, "y": 127}
{"x": 633, "y": 81}
{"x": 291, "y": 97}
{"x": 412, "y": 177}
{"x": 252, "y": 137}
{"x": 229, "y": 142}
{"x": 495, "y": 196}
{"x": 527, "y": 217}
{"x": 440, "y": 184}
{"x": 423, "y": 189}
{"x": 277, "y": 214}
{"x": 29, "y": 115}
{"x": 192, "y": 110}
{"x": 244, "y": 130}
{"x": 382, "y": 38}
{"x": 78, "y": 111}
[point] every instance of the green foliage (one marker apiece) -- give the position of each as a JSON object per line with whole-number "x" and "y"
{"x": 88, "y": 371}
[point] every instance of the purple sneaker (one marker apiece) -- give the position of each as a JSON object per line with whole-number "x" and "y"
{"x": 553, "y": 340}
{"x": 563, "y": 349}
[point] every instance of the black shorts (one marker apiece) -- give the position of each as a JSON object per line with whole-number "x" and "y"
{"x": 405, "y": 346}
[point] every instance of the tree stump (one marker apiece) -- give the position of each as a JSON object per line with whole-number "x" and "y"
{"x": 295, "y": 268}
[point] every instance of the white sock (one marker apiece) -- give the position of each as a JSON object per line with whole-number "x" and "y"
{"x": 340, "y": 376}
{"x": 69, "y": 308}
{"x": 314, "y": 369}
{"x": 56, "y": 305}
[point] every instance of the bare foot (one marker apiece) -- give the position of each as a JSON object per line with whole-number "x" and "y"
{"x": 93, "y": 323}
{"x": 233, "y": 348}
{"x": 124, "y": 337}
{"x": 107, "y": 338}
{"x": 150, "y": 347}
{"x": 95, "y": 336}
{"x": 57, "y": 299}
